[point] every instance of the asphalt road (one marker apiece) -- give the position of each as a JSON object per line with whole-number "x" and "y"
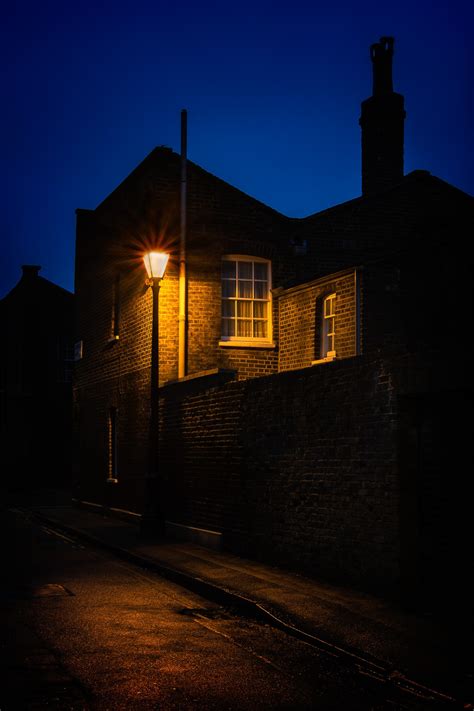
{"x": 83, "y": 630}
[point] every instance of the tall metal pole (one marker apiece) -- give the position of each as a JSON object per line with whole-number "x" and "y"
{"x": 154, "y": 380}
{"x": 182, "y": 253}
{"x": 152, "y": 519}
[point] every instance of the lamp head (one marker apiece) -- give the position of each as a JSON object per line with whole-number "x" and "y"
{"x": 155, "y": 263}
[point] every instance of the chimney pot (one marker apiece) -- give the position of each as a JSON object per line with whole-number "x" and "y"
{"x": 382, "y": 122}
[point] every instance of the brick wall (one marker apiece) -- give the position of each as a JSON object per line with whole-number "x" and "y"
{"x": 130, "y": 395}
{"x": 357, "y": 471}
{"x": 297, "y": 468}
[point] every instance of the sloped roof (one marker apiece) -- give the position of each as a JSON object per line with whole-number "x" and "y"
{"x": 406, "y": 215}
{"x": 417, "y": 182}
{"x": 338, "y": 237}
{"x": 162, "y": 163}
{"x": 157, "y": 178}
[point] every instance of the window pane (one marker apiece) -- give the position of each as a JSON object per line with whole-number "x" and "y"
{"x": 228, "y": 270}
{"x": 261, "y": 290}
{"x": 324, "y": 340}
{"x": 329, "y": 306}
{"x": 244, "y": 309}
{"x": 245, "y": 289}
{"x": 260, "y": 329}
{"x": 260, "y": 309}
{"x": 245, "y": 270}
{"x": 244, "y": 328}
{"x": 228, "y": 308}
{"x": 261, "y": 271}
{"x": 228, "y": 327}
{"x": 245, "y": 298}
{"x": 228, "y": 288}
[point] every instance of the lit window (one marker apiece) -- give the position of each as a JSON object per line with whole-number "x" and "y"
{"x": 246, "y": 307}
{"x": 328, "y": 327}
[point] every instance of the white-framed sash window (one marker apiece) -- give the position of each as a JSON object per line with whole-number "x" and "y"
{"x": 328, "y": 325}
{"x": 246, "y": 300}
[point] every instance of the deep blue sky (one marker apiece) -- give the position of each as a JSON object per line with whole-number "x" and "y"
{"x": 273, "y": 91}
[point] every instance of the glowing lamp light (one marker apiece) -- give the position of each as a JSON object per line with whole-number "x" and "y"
{"x": 155, "y": 263}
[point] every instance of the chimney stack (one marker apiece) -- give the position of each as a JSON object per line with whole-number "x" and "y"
{"x": 382, "y": 122}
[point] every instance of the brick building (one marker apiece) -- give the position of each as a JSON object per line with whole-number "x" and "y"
{"x": 36, "y": 363}
{"x": 307, "y": 428}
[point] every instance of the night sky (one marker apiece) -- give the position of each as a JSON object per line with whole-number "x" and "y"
{"x": 273, "y": 92}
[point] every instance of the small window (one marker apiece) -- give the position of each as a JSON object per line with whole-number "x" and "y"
{"x": 115, "y": 316}
{"x": 112, "y": 446}
{"x": 246, "y": 299}
{"x": 328, "y": 327}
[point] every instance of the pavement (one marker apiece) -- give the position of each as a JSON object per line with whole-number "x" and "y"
{"x": 422, "y": 654}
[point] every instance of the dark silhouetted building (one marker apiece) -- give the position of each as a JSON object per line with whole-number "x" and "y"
{"x": 36, "y": 361}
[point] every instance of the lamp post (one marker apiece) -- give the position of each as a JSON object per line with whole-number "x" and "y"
{"x": 152, "y": 520}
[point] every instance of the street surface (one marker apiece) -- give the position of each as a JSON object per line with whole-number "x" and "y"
{"x": 84, "y": 630}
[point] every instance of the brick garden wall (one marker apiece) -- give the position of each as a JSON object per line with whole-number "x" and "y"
{"x": 297, "y": 468}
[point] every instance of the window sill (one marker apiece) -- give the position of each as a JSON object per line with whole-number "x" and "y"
{"x": 250, "y": 343}
{"x": 328, "y": 359}
{"x": 112, "y": 480}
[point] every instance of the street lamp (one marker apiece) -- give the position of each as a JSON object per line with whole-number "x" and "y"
{"x": 151, "y": 520}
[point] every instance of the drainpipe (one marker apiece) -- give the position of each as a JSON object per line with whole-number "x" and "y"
{"x": 182, "y": 255}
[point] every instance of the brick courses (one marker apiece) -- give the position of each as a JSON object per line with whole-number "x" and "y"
{"x": 297, "y": 468}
